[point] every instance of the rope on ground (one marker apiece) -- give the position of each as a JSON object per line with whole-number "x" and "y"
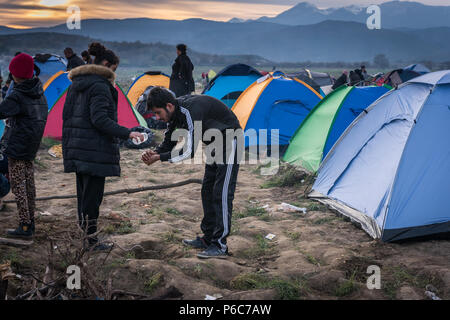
{"x": 130, "y": 190}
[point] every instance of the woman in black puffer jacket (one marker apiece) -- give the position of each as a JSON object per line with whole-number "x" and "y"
{"x": 91, "y": 134}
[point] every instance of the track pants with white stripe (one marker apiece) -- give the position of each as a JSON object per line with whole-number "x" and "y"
{"x": 219, "y": 184}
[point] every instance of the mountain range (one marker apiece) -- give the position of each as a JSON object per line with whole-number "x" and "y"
{"x": 303, "y": 33}
{"x": 394, "y": 14}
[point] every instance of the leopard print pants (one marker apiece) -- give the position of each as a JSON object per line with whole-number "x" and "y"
{"x": 21, "y": 176}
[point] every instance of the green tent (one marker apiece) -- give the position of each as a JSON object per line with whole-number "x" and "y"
{"x": 326, "y": 122}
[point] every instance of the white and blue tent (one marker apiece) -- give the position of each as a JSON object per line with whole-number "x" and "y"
{"x": 419, "y": 68}
{"x": 390, "y": 169}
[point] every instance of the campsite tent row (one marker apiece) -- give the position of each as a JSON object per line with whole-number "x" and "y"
{"x": 231, "y": 81}
{"x": 385, "y": 137}
{"x": 292, "y": 106}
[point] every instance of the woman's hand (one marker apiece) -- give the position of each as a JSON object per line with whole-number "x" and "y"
{"x": 137, "y": 135}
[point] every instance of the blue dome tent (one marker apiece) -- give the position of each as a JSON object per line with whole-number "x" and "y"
{"x": 275, "y": 103}
{"x": 49, "y": 64}
{"x": 230, "y": 82}
{"x": 390, "y": 170}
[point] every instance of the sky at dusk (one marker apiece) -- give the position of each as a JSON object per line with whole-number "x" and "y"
{"x": 33, "y": 13}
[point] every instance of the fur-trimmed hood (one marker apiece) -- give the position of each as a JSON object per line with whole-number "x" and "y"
{"x": 93, "y": 69}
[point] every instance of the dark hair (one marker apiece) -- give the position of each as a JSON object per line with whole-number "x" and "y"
{"x": 159, "y": 97}
{"x": 17, "y": 53}
{"x": 68, "y": 51}
{"x": 100, "y": 53}
{"x": 182, "y": 47}
{"x": 85, "y": 53}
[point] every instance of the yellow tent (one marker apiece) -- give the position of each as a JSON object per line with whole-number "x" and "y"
{"x": 211, "y": 74}
{"x": 151, "y": 78}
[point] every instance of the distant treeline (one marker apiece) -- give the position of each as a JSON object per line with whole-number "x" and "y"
{"x": 134, "y": 54}
{"x": 138, "y": 54}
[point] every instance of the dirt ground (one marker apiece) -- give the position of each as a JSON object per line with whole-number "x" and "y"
{"x": 317, "y": 255}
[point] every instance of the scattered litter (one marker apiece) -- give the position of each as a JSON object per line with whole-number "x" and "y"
{"x": 45, "y": 213}
{"x": 430, "y": 287}
{"x": 286, "y": 207}
{"x": 432, "y": 295}
{"x": 215, "y": 296}
{"x": 270, "y": 236}
{"x": 56, "y": 151}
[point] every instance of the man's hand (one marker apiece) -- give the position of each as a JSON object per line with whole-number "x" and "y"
{"x": 149, "y": 157}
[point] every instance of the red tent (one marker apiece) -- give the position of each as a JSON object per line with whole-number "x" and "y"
{"x": 127, "y": 115}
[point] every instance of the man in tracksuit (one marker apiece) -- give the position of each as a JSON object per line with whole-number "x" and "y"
{"x": 221, "y": 170}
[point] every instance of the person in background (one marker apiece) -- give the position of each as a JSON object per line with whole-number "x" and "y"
{"x": 181, "y": 80}
{"x": 343, "y": 79}
{"x": 73, "y": 60}
{"x": 26, "y": 109}
{"x": 90, "y": 138}
{"x": 86, "y": 57}
{"x": 364, "y": 73}
{"x": 355, "y": 78}
{"x": 5, "y": 88}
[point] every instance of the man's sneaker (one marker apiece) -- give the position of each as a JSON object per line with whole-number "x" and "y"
{"x": 213, "y": 252}
{"x": 199, "y": 243}
{"x": 22, "y": 232}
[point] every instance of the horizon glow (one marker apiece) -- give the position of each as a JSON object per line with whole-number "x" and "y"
{"x": 44, "y": 13}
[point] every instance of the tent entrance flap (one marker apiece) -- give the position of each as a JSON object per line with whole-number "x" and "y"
{"x": 367, "y": 223}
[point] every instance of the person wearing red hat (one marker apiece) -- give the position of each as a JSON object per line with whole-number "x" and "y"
{"x": 26, "y": 109}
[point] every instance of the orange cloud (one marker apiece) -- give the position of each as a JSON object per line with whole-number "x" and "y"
{"x": 50, "y": 12}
